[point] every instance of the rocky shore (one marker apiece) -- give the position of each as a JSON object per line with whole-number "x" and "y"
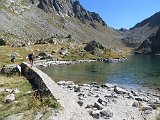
{"x": 111, "y": 102}
{"x": 46, "y": 63}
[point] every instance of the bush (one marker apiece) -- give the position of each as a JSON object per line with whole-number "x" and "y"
{"x": 2, "y": 42}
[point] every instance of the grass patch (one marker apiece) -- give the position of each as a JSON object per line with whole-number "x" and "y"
{"x": 76, "y": 52}
{"x": 24, "y": 103}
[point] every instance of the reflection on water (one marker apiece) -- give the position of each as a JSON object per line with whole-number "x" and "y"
{"x": 138, "y": 70}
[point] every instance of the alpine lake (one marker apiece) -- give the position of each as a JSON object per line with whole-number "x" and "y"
{"x": 137, "y": 71}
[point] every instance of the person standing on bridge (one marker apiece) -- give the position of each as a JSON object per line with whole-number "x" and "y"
{"x": 30, "y": 57}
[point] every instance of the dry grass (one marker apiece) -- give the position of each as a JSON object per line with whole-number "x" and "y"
{"x": 76, "y": 52}
{"x": 26, "y": 103}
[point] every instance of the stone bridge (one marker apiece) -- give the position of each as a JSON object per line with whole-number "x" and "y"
{"x": 71, "y": 111}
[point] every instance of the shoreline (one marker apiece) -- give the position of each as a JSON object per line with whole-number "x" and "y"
{"x": 107, "y": 101}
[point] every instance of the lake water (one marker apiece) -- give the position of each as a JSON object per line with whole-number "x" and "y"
{"x": 137, "y": 71}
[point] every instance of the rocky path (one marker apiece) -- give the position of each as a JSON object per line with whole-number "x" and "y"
{"x": 112, "y": 102}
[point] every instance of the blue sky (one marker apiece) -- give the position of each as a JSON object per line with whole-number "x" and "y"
{"x": 122, "y": 13}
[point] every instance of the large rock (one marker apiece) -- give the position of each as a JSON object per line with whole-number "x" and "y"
{"x": 44, "y": 55}
{"x": 94, "y": 47}
{"x": 98, "y": 106}
{"x": 9, "y": 98}
{"x": 2, "y": 42}
{"x": 11, "y": 69}
{"x": 95, "y": 114}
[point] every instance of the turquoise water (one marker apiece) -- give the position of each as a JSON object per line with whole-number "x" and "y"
{"x": 137, "y": 71}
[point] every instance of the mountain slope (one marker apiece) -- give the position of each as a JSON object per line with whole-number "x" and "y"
{"x": 141, "y": 31}
{"x": 31, "y": 20}
{"x": 151, "y": 46}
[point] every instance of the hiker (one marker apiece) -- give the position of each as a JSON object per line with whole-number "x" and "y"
{"x": 12, "y": 57}
{"x": 30, "y": 57}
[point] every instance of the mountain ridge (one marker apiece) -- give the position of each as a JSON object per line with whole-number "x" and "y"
{"x": 135, "y": 36}
{"x": 32, "y": 20}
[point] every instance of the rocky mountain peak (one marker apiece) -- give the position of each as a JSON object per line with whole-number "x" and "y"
{"x": 70, "y": 8}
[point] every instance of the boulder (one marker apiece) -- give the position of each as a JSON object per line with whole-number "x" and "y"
{"x": 11, "y": 69}
{"x": 119, "y": 90}
{"x": 94, "y": 47}
{"x": 106, "y": 114}
{"x": 44, "y": 55}
{"x": 9, "y": 98}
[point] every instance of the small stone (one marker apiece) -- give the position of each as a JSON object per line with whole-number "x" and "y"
{"x": 139, "y": 99}
{"x": 119, "y": 90}
{"x": 98, "y": 106}
{"x": 106, "y": 114}
{"x": 96, "y": 96}
{"x": 9, "y": 98}
{"x": 38, "y": 116}
{"x": 130, "y": 95}
{"x": 95, "y": 114}
{"x": 147, "y": 112}
{"x": 16, "y": 91}
{"x": 2, "y": 89}
{"x": 9, "y": 90}
{"x": 107, "y": 85}
{"x": 77, "y": 89}
{"x": 154, "y": 106}
{"x": 61, "y": 83}
{"x": 80, "y": 103}
{"x": 108, "y": 95}
{"x": 69, "y": 83}
{"x": 81, "y": 98}
{"x": 137, "y": 104}
{"x": 89, "y": 106}
{"x": 134, "y": 93}
{"x": 144, "y": 108}
{"x": 28, "y": 92}
{"x": 93, "y": 83}
{"x": 102, "y": 101}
